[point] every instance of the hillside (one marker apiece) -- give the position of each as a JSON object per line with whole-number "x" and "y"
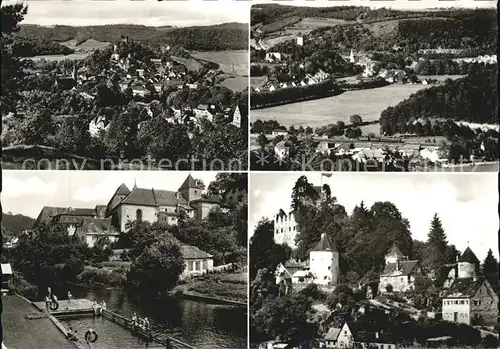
{"x": 14, "y": 224}
{"x": 203, "y": 38}
{"x": 380, "y": 29}
{"x": 473, "y": 98}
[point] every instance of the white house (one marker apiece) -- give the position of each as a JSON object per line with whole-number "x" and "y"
{"x": 93, "y": 230}
{"x": 300, "y": 41}
{"x": 97, "y": 125}
{"x": 281, "y": 150}
{"x": 399, "y": 272}
{"x": 197, "y": 261}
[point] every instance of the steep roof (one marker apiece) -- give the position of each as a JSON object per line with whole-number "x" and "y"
{"x": 189, "y": 182}
{"x": 140, "y": 196}
{"x": 468, "y": 256}
{"x": 405, "y": 267}
{"x": 332, "y": 334}
{"x": 46, "y": 215}
{"x": 193, "y": 252}
{"x": 167, "y": 198}
{"x": 395, "y": 252}
{"x": 214, "y": 199}
{"x": 464, "y": 288}
{"x": 97, "y": 226}
{"x": 325, "y": 244}
{"x": 86, "y": 212}
{"x": 122, "y": 190}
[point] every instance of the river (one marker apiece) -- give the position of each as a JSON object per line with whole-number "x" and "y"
{"x": 205, "y": 326}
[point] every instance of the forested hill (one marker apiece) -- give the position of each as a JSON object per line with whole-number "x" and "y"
{"x": 14, "y": 224}
{"x": 473, "y": 98}
{"x": 227, "y": 36}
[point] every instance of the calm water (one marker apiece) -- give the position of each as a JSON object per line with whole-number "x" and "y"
{"x": 202, "y": 325}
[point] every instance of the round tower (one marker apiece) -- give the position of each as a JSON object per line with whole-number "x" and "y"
{"x": 324, "y": 262}
{"x": 468, "y": 265}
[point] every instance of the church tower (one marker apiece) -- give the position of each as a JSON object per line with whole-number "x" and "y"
{"x": 191, "y": 189}
{"x": 324, "y": 262}
{"x": 237, "y": 117}
{"x": 351, "y": 57}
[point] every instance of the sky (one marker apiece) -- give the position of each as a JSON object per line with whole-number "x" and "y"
{"x": 150, "y": 12}
{"x": 26, "y": 192}
{"x": 394, "y": 4}
{"x": 467, "y": 204}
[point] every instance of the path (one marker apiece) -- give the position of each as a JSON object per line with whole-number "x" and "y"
{"x": 19, "y": 332}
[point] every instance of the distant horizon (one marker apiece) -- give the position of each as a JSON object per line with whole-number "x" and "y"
{"x": 78, "y": 13}
{"x": 131, "y": 24}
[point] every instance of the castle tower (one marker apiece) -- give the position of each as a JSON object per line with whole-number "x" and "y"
{"x": 468, "y": 264}
{"x": 285, "y": 228}
{"x": 117, "y": 197}
{"x": 190, "y": 189}
{"x": 351, "y": 57}
{"x": 237, "y": 117}
{"x": 395, "y": 255}
{"x": 324, "y": 262}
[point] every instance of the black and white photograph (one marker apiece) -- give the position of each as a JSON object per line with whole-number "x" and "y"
{"x": 124, "y": 260}
{"x": 393, "y": 86}
{"x": 380, "y": 261}
{"x": 129, "y": 85}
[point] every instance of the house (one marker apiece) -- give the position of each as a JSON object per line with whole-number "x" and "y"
{"x": 366, "y": 154}
{"x": 197, "y": 261}
{"x": 302, "y": 277}
{"x": 203, "y": 206}
{"x": 94, "y": 230}
{"x": 272, "y": 88}
{"x": 71, "y": 217}
{"x": 285, "y": 228}
{"x": 236, "y": 192}
{"x": 350, "y": 336}
{"x": 281, "y": 150}
{"x": 203, "y": 111}
{"x": 283, "y": 279}
{"x": 324, "y": 262}
{"x": 273, "y": 56}
{"x": 98, "y": 124}
{"x": 399, "y": 272}
{"x": 6, "y": 277}
{"x": 324, "y": 148}
{"x": 279, "y": 132}
{"x": 300, "y": 41}
{"x": 471, "y": 301}
{"x": 330, "y": 339}
{"x": 46, "y": 214}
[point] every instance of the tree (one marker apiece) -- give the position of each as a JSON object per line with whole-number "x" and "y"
{"x": 157, "y": 269}
{"x": 437, "y": 244}
{"x": 355, "y": 119}
{"x": 490, "y": 269}
{"x": 11, "y": 68}
{"x": 264, "y": 252}
{"x": 342, "y": 296}
{"x": 262, "y": 140}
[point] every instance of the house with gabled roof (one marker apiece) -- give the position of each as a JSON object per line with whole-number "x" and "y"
{"x": 470, "y": 299}
{"x": 399, "y": 272}
{"x": 197, "y": 261}
{"x": 93, "y": 230}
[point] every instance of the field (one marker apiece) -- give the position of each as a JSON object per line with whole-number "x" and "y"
{"x": 238, "y": 83}
{"x": 189, "y": 63}
{"x": 366, "y": 103}
{"x": 49, "y": 58}
{"x": 232, "y": 62}
{"x": 269, "y": 42}
{"x": 223, "y": 285}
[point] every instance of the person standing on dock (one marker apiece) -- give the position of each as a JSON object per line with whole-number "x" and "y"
{"x": 47, "y": 302}
{"x": 70, "y": 297}
{"x": 103, "y": 306}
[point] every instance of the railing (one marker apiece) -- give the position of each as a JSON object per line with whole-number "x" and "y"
{"x": 148, "y": 334}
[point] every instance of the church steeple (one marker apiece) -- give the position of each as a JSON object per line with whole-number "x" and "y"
{"x": 351, "y": 57}
{"x": 190, "y": 189}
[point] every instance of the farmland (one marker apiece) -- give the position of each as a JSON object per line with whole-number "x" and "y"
{"x": 328, "y": 110}
{"x": 237, "y": 83}
{"x": 257, "y": 81}
{"x": 228, "y": 60}
{"x": 49, "y": 58}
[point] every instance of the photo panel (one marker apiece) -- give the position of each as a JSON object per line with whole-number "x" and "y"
{"x": 373, "y": 261}
{"x": 129, "y": 259}
{"x": 386, "y": 86}
{"x": 125, "y": 85}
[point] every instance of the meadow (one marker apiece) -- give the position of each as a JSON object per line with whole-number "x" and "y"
{"x": 366, "y": 103}
{"x": 232, "y": 62}
{"x": 237, "y": 83}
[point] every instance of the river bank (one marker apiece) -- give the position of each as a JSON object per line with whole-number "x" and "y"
{"x": 230, "y": 288}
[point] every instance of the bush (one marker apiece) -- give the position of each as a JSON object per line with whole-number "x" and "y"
{"x": 388, "y": 288}
{"x": 23, "y": 287}
{"x": 312, "y": 291}
{"x": 489, "y": 341}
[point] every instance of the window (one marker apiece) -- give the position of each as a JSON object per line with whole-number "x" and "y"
{"x": 138, "y": 215}
{"x": 402, "y": 279}
{"x": 190, "y": 265}
{"x": 329, "y": 267}
{"x": 462, "y": 302}
{"x": 456, "y": 302}
{"x": 281, "y": 229}
{"x": 198, "y": 265}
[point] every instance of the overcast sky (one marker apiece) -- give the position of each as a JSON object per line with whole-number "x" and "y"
{"x": 467, "y": 204}
{"x": 395, "y": 4}
{"x": 151, "y": 13}
{"x": 26, "y": 192}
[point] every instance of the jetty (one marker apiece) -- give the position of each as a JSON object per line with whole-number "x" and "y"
{"x": 19, "y": 311}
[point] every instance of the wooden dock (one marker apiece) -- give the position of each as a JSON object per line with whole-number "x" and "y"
{"x": 75, "y": 307}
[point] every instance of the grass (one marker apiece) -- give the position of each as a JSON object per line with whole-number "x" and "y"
{"x": 74, "y": 56}
{"x": 237, "y": 59}
{"x": 238, "y": 83}
{"x": 273, "y": 41}
{"x": 231, "y": 286}
{"x": 257, "y": 81}
{"x": 366, "y": 103}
